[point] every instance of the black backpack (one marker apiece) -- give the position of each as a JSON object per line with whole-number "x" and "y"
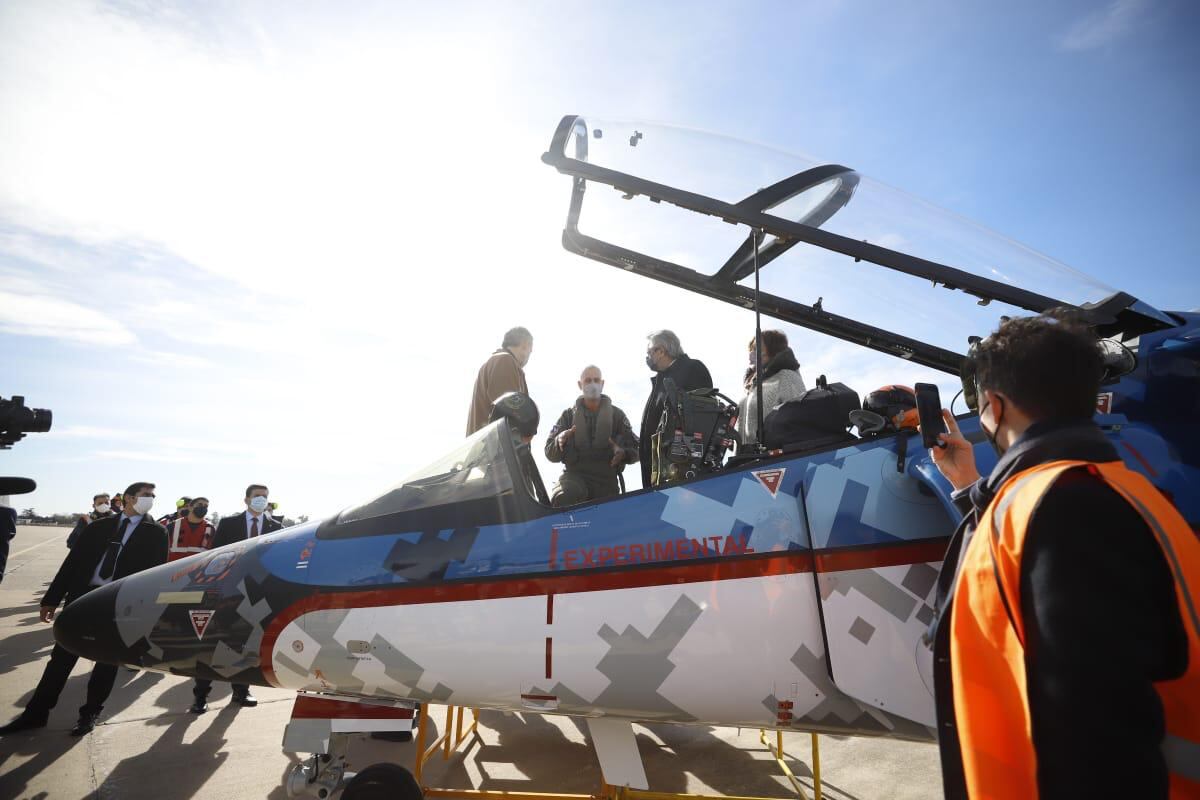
{"x": 818, "y": 418}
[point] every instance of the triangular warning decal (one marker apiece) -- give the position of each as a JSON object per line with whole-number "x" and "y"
{"x": 770, "y": 479}
{"x": 200, "y": 622}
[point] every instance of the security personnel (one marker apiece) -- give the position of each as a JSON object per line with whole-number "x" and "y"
{"x": 190, "y": 533}
{"x": 1067, "y": 643}
{"x": 181, "y": 510}
{"x": 594, "y": 441}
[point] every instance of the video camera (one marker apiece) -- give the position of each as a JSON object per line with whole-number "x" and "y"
{"x": 16, "y": 420}
{"x": 694, "y": 433}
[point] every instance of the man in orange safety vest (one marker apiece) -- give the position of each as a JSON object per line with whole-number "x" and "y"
{"x": 1067, "y": 643}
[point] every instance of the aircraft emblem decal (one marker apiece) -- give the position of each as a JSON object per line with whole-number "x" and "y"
{"x": 200, "y": 621}
{"x": 770, "y": 479}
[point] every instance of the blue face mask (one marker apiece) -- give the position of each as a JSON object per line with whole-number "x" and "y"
{"x": 258, "y": 504}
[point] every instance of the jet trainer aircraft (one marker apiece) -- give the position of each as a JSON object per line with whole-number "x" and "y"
{"x": 784, "y": 591}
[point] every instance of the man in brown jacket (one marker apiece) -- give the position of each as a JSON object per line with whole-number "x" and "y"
{"x": 502, "y": 372}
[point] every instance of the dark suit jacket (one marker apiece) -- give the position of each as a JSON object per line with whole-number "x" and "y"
{"x": 233, "y": 528}
{"x": 145, "y": 548}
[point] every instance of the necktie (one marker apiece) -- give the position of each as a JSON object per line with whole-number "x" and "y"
{"x": 109, "y": 564}
{"x": 254, "y": 527}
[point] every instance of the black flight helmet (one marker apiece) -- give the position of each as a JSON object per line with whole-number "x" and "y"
{"x": 520, "y": 411}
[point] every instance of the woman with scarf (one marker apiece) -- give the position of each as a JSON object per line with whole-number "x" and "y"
{"x": 781, "y": 382}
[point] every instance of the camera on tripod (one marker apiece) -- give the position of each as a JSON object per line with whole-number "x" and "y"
{"x": 16, "y": 420}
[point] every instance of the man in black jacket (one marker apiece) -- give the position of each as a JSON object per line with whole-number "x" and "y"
{"x": 1097, "y": 599}
{"x": 101, "y": 508}
{"x": 107, "y": 550}
{"x": 665, "y": 356}
{"x": 239, "y": 527}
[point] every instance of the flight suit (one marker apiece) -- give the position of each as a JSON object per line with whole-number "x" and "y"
{"x": 587, "y": 457}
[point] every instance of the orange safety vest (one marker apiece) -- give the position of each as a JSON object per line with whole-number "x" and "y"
{"x": 987, "y": 654}
{"x": 179, "y": 546}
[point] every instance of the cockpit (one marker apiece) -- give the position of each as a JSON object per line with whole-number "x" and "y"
{"x": 484, "y": 480}
{"x": 814, "y": 244}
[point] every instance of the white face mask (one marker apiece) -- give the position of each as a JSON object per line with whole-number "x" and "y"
{"x": 258, "y": 504}
{"x": 143, "y": 504}
{"x": 591, "y": 391}
{"x": 103, "y": 508}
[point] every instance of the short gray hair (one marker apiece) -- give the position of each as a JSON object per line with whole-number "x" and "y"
{"x": 668, "y": 341}
{"x": 515, "y": 337}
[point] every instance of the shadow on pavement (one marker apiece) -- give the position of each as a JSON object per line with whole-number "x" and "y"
{"x": 49, "y": 744}
{"x": 169, "y": 767}
{"x": 531, "y": 753}
{"x": 25, "y": 648}
{"x": 30, "y": 608}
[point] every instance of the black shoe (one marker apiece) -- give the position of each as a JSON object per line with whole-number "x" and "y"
{"x": 85, "y": 725}
{"x": 25, "y": 722}
{"x": 246, "y": 700}
{"x": 200, "y": 706}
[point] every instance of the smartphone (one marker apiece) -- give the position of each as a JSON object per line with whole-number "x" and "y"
{"x": 929, "y": 410}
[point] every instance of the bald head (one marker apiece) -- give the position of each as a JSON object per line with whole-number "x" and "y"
{"x": 591, "y": 383}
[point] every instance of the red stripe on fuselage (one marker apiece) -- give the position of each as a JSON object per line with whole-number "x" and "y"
{"x": 324, "y": 708}
{"x": 782, "y": 562}
{"x": 873, "y": 556}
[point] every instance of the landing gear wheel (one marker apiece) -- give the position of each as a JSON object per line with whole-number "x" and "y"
{"x": 383, "y": 782}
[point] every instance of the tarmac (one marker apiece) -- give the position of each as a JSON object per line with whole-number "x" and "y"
{"x": 148, "y": 746}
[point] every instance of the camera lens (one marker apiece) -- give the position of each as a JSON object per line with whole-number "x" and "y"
{"x": 39, "y": 420}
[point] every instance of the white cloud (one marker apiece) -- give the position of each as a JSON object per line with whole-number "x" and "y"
{"x": 41, "y": 315}
{"x": 89, "y": 432}
{"x": 1104, "y": 26}
{"x": 102, "y": 456}
{"x": 315, "y": 237}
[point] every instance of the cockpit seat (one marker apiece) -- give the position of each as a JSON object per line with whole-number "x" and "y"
{"x": 818, "y": 418}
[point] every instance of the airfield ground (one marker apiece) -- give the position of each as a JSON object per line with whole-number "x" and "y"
{"x": 148, "y": 746}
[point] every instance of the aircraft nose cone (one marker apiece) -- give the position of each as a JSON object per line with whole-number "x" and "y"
{"x": 88, "y": 627}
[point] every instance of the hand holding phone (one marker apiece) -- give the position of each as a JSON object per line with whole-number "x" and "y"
{"x": 929, "y": 411}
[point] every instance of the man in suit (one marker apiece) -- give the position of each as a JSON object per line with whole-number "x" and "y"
{"x": 236, "y": 528}
{"x": 108, "y": 549}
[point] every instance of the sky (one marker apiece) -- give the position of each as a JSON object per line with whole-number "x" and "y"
{"x": 273, "y": 242}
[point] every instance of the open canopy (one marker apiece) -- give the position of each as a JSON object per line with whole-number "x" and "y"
{"x": 837, "y": 252}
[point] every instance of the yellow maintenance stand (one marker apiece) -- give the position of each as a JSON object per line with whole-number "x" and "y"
{"x": 455, "y": 732}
